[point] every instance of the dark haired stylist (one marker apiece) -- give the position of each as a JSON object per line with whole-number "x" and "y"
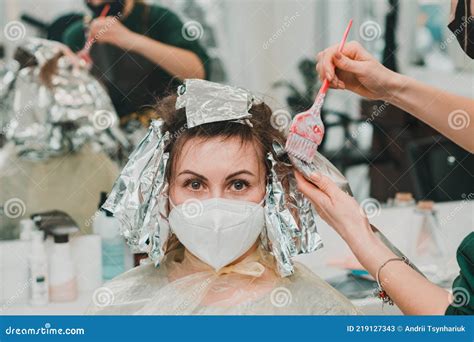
{"x": 356, "y": 70}
{"x": 140, "y": 52}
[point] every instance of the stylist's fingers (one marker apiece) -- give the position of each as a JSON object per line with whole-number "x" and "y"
{"x": 315, "y": 195}
{"x": 326, "y": 66}
{"x": 325, "y": 184}
{"x": 344, "y": 63}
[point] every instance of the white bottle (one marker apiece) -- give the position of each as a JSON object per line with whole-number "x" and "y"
{"x": 38, "y": 270}
{"x": 62, "y": 275}
{"x": 27, "y": 227}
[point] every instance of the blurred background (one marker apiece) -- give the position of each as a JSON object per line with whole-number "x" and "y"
{"x": 66, "y": 134}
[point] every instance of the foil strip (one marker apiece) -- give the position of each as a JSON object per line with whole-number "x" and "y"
{"x": 139, "y": 196}
{"x": 47, "y": 120}
{"x": 320, "y": 164}
{"x": 281, "y": 229}
{"x": 309, "y": 239}
{"x": 207, "y": 102}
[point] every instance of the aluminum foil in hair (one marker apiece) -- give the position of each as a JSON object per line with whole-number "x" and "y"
{"x": 50, "y": 120}
{"x": 42, "y": 49}
{"x": 139, "y": 197}
{"x": 309, "y": 239}
{"x": 282, "y": 235}
{"x": 8, "y": 75}
{"x": 207, "y": 102}
{"x": 321, "y": 165}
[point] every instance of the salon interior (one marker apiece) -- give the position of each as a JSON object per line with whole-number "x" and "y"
{"x": 79, "y": 84}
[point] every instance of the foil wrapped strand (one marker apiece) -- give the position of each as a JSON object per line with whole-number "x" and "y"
{"x": 207, "y": 102}
{"x": 139, "y": 196}
{"x": 323, "y": 166}
{"x": 309, "y": 239}
{"x": 48, "y": 120}
{"x": 280, "y": 226}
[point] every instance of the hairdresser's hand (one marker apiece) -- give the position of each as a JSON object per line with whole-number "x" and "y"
{"x": 338, "y": 209}
{"x": 355, "y": 69}
{"x": 110, "y": 30}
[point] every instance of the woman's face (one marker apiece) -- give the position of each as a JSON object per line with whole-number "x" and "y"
{"x": 217, "y": 167}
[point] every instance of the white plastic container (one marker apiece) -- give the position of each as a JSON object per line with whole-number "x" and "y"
{"x": 38, "y": 270}
{"x": 62, "y": 276}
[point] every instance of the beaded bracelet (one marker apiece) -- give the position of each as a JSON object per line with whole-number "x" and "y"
{"x": 379, "y": 291}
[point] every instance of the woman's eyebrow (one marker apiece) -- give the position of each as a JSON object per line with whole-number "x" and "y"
{"x": 239, "y": 173}
{"x": 192, "y": 173}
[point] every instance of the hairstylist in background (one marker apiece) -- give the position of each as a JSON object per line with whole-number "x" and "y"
{"x": 356, "y": 70}
{"x": 139, "y": 52}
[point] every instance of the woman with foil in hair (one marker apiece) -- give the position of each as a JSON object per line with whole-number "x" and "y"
{"x": 206, "y": 196}
{"x": 62, "y": 136}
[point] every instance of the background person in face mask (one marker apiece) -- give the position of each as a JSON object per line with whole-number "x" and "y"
{"x": 139, "y": 52}
{"x": 356, "y": 70}
{"x": 214, "y": 263}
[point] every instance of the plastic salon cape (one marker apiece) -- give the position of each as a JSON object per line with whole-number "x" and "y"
{"x": 184, "y": 285}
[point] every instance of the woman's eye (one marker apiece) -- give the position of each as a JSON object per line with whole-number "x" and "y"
{"x": 195, "y": 185}
{"x": 239, "y": 185}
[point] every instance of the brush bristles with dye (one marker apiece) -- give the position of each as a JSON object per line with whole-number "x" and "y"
{"x": 300, "y": 147}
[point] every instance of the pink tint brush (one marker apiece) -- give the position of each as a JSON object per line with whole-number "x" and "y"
{"x": 307, "y": 129}
{"x": 84, "y": 53}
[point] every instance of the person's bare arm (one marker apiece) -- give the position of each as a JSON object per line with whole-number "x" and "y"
{"x": 413, "y": 293}
{"x": 449, "y": 114}
{"x": 358, "y": 71}
{"x": 177, "y": 61}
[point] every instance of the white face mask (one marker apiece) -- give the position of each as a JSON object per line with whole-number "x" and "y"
{"x": 219, "y": 231}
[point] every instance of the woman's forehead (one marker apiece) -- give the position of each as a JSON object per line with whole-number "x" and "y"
{"x": 218, "y": 155}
